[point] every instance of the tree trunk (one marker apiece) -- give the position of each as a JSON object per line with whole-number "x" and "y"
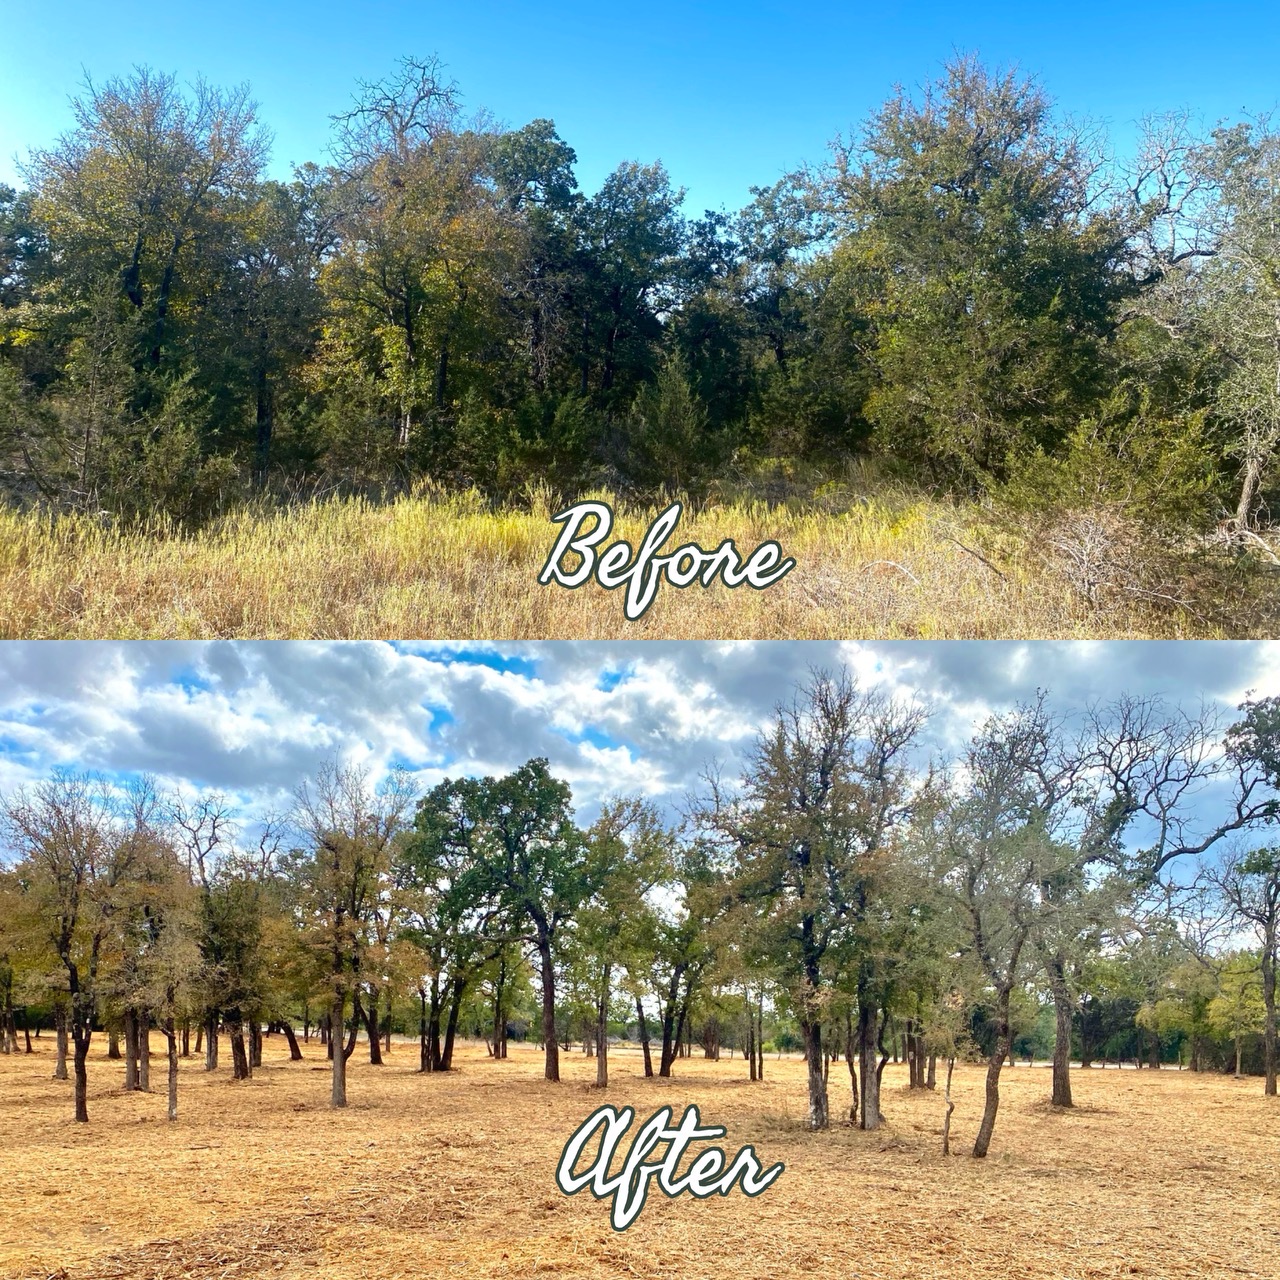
{"x": 295, "y": 1053}
{"x": 451, "y": 1029}
{"x": 255, "y": 1044}
{"x": 499, "y": 1010}
{"x": 130, "y": 1050}
{"x": 760, "y": 1036}
{"x": 818, "y": 1117}
{"x": 884, "y": 1051}
{"x": 1269, "y": 1024}
{"x": 670, "y": 1032}
{"x": 60, "y": 1026}
{"x": 371, "y": 1026}
{"x": 602, "y": 1030}
{"x": 849, "y": 1057}
{"x": 871, "y": 1117}
{"x": 1250, "y": 487}
{"x": 951, "y": 1106}
{"x": 172, "y": 1037}
{"x": 644, "y": 1037}
{"x": 338, "y": 1095}
{"x": 552, "y": 1047}
{"x": 144, "y": 1050}
{"x": 424, "y": 1055}
{"x": 113, "y": 1045}
{"x": 357, "y": 1017}
{"x": 240, "y": 1068}
{"x": 211, "y": 1043}
{"x": 1003, "y": 1047}
{"x": 81, "y": 1036}
{"x": 1063, "y": 1012}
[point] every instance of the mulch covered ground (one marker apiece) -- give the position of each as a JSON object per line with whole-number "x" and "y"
{"x": 1158, "y": 1174}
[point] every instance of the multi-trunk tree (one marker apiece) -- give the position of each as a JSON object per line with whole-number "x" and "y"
{"x": 827, "y": 787}
{"x": 348, "y": 828}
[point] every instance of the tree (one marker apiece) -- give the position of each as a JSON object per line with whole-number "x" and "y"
{"x": 1250, "y": 884}
{"x": 629, "y": 236}
{"x": 453, "y": 918}
{"x": 1236, "y": 1010}
{"x": 629, "y": 853}
{"x": 138, "y": 202}
{"x": 521, "y": 830}
{"x": 348, "y": 828}
{"x": 684, "y": 942}
{"x": 826, "y": 787}
{"x": 1241, "y": 301}
{"x": 987, "y": 270}
{"x": 993, "y": 853}
{"x": 77, "y": 855}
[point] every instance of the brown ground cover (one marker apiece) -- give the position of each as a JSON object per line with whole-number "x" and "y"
{"x": 1157, "y": 1174}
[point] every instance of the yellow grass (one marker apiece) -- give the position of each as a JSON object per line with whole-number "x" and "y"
{"x": 1158, "y": 1174}
{"x": 440, "y": 566}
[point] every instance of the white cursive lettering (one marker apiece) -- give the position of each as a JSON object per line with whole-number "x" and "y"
{"x": 708, "y": 1174}
{"x": 642, "y": 575}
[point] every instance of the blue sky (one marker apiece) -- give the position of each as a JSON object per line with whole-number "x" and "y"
{"x": 726, "y": 94}
{"x": 253, "y": 719}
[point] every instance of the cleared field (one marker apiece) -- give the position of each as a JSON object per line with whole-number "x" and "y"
{"x": 445, "y": 566}
{"x": 1159, "y": 1174}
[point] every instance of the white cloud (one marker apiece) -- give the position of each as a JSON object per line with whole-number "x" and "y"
{"x": 255, "y": 718}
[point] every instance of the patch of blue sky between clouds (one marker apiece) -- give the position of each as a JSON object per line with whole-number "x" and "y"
{"x": 495, "y": 659}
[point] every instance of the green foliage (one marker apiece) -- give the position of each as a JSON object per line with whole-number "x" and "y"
{"x": 954, "y": 291}
{"x": 988, "y": 284}
{"x": 1161, "y": 473}
{"x": 670, "y": 442}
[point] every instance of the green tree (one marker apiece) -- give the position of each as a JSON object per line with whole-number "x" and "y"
{"x": 629, "y": 852}
{"x": 1236, "y": 1010}
{"x": 520, "y": 829}
{"x": 988, "y": 273}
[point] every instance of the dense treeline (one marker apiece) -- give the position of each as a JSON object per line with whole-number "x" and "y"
{"x": 970, "y": 289}
{"x": 844, "y": 896}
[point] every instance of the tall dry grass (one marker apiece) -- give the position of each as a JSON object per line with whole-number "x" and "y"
{"x": 435, "y": 565}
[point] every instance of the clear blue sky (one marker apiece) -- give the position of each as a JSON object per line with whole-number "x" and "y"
{"x": 726, "y": 94}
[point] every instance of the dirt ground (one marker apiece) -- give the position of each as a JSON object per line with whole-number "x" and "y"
{"x": 1157, "y": 1174}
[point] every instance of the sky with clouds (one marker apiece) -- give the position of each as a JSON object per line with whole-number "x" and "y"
{"x": 253, "y": 719}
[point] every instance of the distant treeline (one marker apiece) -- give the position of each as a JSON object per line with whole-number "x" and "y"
{"x": 970, "y": 289}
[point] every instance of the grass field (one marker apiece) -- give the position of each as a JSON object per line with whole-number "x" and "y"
{"x": 1158, "y": 1174}
{"x": 436, "y": 566}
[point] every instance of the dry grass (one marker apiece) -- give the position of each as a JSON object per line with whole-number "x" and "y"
{"x": 439, "y": 566}
{"x": 1159, "y": 1174}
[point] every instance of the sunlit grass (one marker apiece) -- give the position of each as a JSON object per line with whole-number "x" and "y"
{"x": 439, "y": 565}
